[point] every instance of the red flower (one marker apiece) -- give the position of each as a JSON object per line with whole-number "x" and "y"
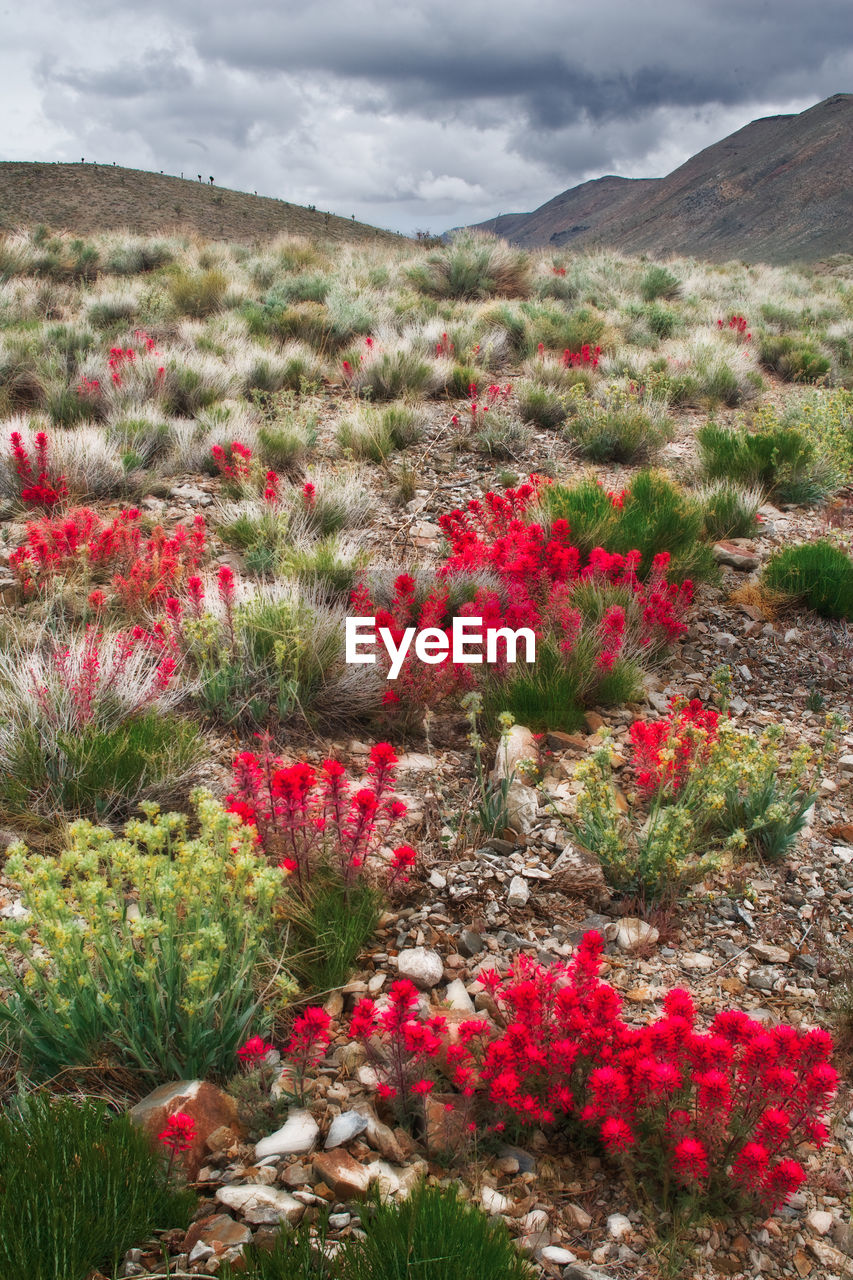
{"x": 254, "y": 1050}
{"x": 179, "y": 1134}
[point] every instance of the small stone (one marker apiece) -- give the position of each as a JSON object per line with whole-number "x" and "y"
{"x": 579, "y": 1271}
{"x": 618, "y": 1226}
{"x": 458, "y": 998}
{"x": 519, "y": 892}
{"x": 346, "y": 1177}
{"x": 344, "y": 1128}
{"x": 219, "y": 1232}
{"x": 423, "y": 967}
{"x": 298, "y": 1135}
{"x": 696, "y": 960}
{"x": 768, "y": 954}
{"x": 820, "y": 1222}
{"x": 337, "y": 1221}
{"x": 513, "y": 749}
{"x": 577, "y": 1217}
{"x": 437, "y": 880}
{"x": 522, "y": 807}
{"x": 493, "y": 1201}
{"x": 559, "y": 1257}
{"x": 735, "y": 557}
{"x": 762, "y": 978}
{"x": 634, "y": 933}
{"x": 470, "y": 943}
{"x": 262, "y": 1205}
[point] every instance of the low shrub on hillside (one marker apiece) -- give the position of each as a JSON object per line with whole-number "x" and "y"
{"x": 198, "y": 294}
{"x": 705, "y": 785}
{"x": 794, "y": 358}
{"x": 730, "y": 510}
{"x": 145, "y": 951}
{"x": 376, "y": 374}
{"x": 617, "y": 425}
{"x": 818, "y": 573}
{"x": 659, "y": 282}
{"x": 374, "y": 434}
{"x": 540, "y": 405}
{"x": 78, "y": 1187}
{"x": 433, "y": 1235}
{"x": 779, "y": 459}
{"x": 86, "y": 727}
{"x": 652, "y": 515}
{"x": 473, "y": 266}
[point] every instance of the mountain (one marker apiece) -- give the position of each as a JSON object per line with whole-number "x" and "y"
{"x": 82, "y": 198}
{"x": 778, "y": 190}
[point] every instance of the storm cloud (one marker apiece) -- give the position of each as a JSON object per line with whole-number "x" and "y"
{"x": 409, "y": 115}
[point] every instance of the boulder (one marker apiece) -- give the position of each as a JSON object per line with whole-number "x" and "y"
{"x": 209, "y": 1107}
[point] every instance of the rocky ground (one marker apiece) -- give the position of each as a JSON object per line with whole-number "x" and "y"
{"x": 773, "y": 940}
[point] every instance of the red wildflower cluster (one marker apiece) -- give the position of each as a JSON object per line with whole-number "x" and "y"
{"x": 307, "y": 1044}
{"x": 404, "y": 1046}
{"x": 722, "y": 1110}
{"x": 144, "y": 568}
{"x": 119, "y": 362}
{"x": 272, "y": 496}
{"x": 558, "y": 271}
{"x": 306, "y": 817}
{"x": 179, "y": 1134}
{"x": 253, "y": 1051}
{"x": 444, "y": 347}
{"x": 38, "y": 488}
{"x": 685, "y": 736}
{"x": 233, "y": 462}
{"x": 738, "y": 326}
{"x": 493, "y": 395}
{"x": 587, "y": 357}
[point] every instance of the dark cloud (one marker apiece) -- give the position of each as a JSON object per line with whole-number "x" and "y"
{"x": 410, "y": 114}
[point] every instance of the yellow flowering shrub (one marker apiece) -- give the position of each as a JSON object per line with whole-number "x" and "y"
{"x": 148, "y": 950}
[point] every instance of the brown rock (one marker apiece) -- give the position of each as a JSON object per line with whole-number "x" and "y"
{"x": 209, "y": 1107}
{"x": 447, "y": 1119}
{"x": 593, "y": 721}
{"x": 219, "y": 1232}
{"x": 559, "y": 741}
{"x": 221, "y": 1139}
{"x": 347, "y": 1178}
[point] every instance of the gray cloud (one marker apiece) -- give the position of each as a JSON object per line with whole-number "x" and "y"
{"x": 408, "y": 114}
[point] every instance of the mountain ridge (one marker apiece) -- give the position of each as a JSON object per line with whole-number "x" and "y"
{"x": 776, "y": 190}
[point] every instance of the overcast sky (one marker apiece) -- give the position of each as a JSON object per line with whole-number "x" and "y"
{"x": 410, "y": 115}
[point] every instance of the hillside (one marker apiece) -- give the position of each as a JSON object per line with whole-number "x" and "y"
{"x": 775, "y": 191}
{"x": 85, "y": 198}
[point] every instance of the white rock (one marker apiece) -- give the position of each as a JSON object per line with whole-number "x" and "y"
{"x": 437, "y": 880}
{"x": 696, "y": 960}
{"x": 560, "y": 1257}
{"x": 522, "y": 807}
{"x": 421, "y": 966}
{"x": 384, "y": 1176}
{"x": 518, "y": 745}
{"x": 294, "y": 1138}
{"x": 200, "y": 1251}
{"x": 344, "y": 1128}
{"x": 457, "y": 997}
{"x": 820, "y": 1222}
{"x": 618, "y": 1226}
{"x": 634, "y": 932}
{"x": 262, "y": 1205}
{"x": 493, "y": 1202}
{"x": 519, "y": 892}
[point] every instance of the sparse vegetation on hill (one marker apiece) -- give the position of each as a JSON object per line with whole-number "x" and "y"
{"x": 232, "y": 853}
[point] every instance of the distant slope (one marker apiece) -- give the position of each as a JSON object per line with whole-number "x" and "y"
{"x": 778, "y": 190}
{"x": 83, "y": 198}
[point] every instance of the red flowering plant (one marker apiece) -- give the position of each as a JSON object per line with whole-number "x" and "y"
{"x": 177, "y": 1137}
{"x": 37, "y": 484}
{"x": 667, "y": 751}
{"x": 309, "y": 820}
{"x": 309, "y": 1039}
{"x": 717, "y": 1114}
{"x": 403, "y": 1044}
{"x": 738, "y": 326}
{"x": 234, "y": 463}
{"x": 142, "y": 569}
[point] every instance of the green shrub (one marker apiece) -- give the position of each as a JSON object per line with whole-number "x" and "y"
{"x": 389, "y": 375}
{"x": 284, "y": 447}
{"x": 144, "y": 952}
{"x": 552, "y": 692}
{"x": 78, "y": 1187}
{"x": 328, "y": 929}
{"x": 778, "y": 459}
{"x": 433, "y": 1235}
{"x": 656, "y": 515}
{"x": 503, "y": 437}
{"x": 730, "y": 510}
{"x": 539, "y": 404}
{"x": 659, "y": 282}
{"x": 662, "y": 321}
{"x": 473, "y": 266}
{"x": 795, "y": 359}
{"x": 617, "y": 425}
{"x": 198, "y": 294}
{"x": 99, "y": 771}
{"x": 134, "y": 259}
{"x": 558, "y": 329}
{"x": 819, "y": 573}
{"x": 462, "y": 376}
